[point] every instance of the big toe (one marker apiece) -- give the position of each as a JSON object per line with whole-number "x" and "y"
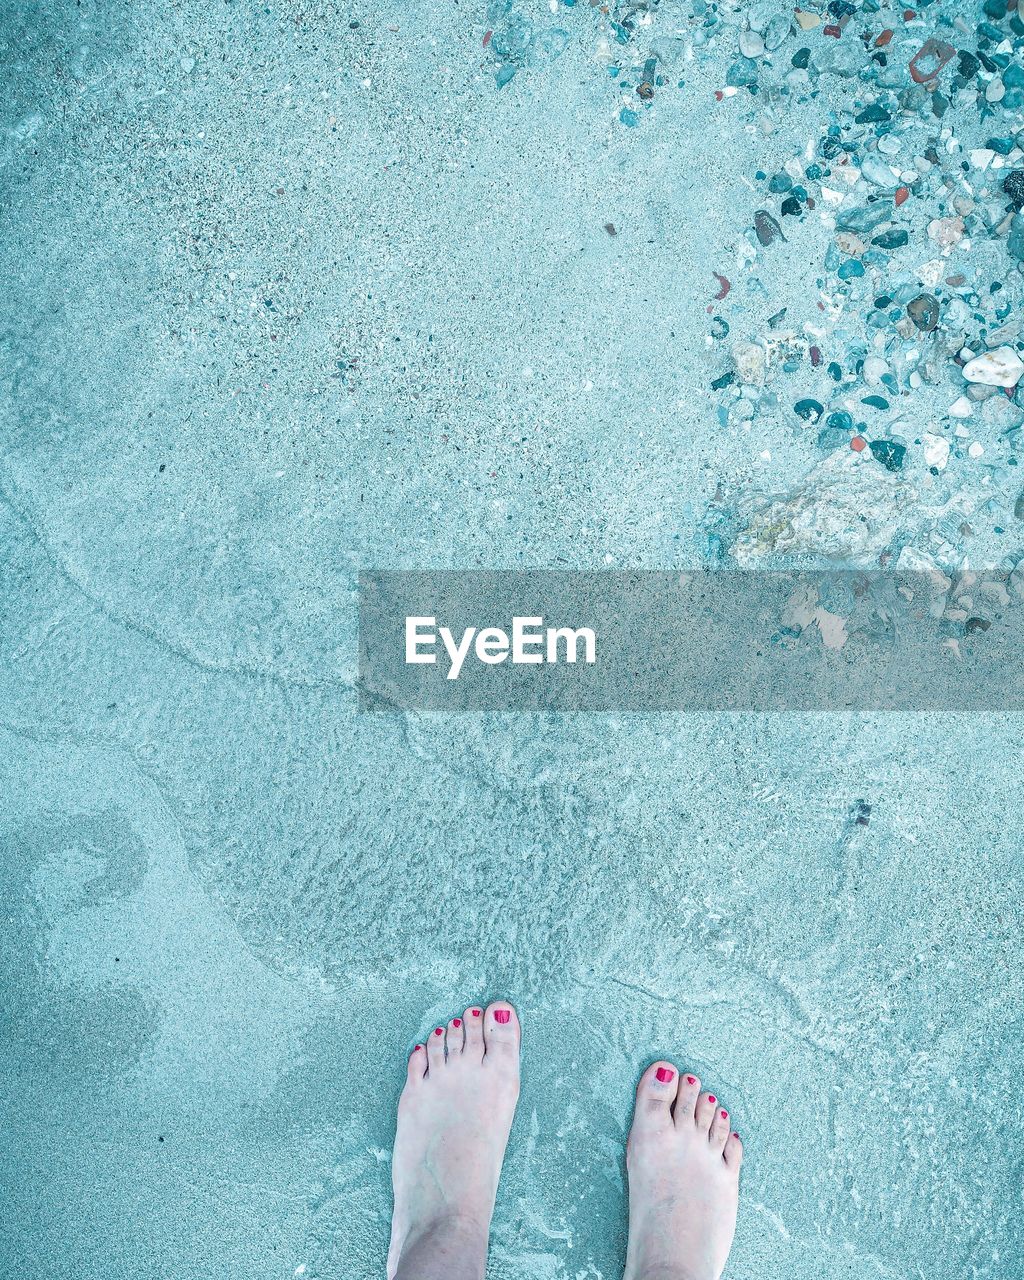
{"x": 655, "y": 1095}
{"x": 501, "y": 1031}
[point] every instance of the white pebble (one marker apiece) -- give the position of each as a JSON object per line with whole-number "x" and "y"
{"x": 936, "y": 451}
{"x": 1001, "y": 367}
{"x": 961, "y": 408}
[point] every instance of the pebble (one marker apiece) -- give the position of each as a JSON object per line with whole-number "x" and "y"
{"x": 750, "y": 360}
{"x": 888, "y": 453}
{"x": 766, "y": 228}
{"x": 924, "y": 311}
{"x": 936, "y": 451}
{"x": 777, "y": 30}
{"x": 875, "y": 170}
{"x": 996, "y": 90}
{"x": 1015, "y": 238}
{"x": 960, "y": 408}
{"x": 947, "y": 232}
{"x": 809, "y": 410}
{"x": 895, "y": 239}
{"x": 1001, "y": 367}
{"x": 751, "y": 44}
{"x": 1013, "y": 186}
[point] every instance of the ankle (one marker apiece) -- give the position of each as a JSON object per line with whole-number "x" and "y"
{"x": 667, "y": 1272}
{"x": 451, "y": 1244}
{"x": 659, "y": 1270}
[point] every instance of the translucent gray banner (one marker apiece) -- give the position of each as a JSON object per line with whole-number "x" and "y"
{"x": 482, "y": 640}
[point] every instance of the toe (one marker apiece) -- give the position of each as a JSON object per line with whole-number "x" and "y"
{"x": 686, "y": 1099}
{"x": 417, "y": 1063}
{"x": 720, "y": 1129}
{"x": 435, "y": 1049}
{"x": 473, "y": 1022}
{"x": 704, "y": 1112}
{"x": 501, "y": 1030}
{"x": 733, "y": 1152}
{"x": 654, "y": 1096}
{"x": 455, "y": 1037}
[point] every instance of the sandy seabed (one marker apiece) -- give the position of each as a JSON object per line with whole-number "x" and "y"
{"x": 297, "y": 290}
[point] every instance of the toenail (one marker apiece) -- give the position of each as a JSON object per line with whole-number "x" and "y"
{"x": 735, "y": 1135}
{"x": 416, "y": 1048}
{"x": 475, "y": 1013}
{"x": 664, "y": 1074}
{"x": 439, "y": 1031}
{"x": 456, "y": 1022}
{"x": 724, "y": 1115}
{"x": 691, "y": 1079}
{"x": 502, "y": 1016}
{"x": 712, "y": 1098}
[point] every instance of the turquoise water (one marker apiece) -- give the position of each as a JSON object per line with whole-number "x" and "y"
{"x": 288, "y": 297}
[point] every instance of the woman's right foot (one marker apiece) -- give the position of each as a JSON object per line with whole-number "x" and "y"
{"x": 683, "y": 1162}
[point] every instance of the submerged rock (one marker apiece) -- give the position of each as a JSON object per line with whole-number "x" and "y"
{"x": 889, "y": 453}
{"x": 1013, "y": 185}
{"x": 1001, "y": 367}
{"x": 766, "y": 228}
{"x": 924, "y": 311}
{"x": 843, "y": 511}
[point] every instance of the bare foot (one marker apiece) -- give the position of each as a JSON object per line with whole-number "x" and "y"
{"x": 684, "y": 1173}
{"x": 453, "y": 1121}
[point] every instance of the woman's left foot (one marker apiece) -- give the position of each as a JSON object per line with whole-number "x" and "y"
{"x": 454, "y": 1118}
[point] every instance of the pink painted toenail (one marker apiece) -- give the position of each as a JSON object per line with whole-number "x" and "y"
{"x": 456, "y": 1022}
{"x": 439, "y": 1031}
{"x": 712, "y": 1098}
{"x": 664, "y": 1074}
{"x": 724, "y": 1115}
{"x": 502, "y": 1016}
{"x": 691, "y": 1079}
{"x": 475, "y": 1013}
{"x": 735, "y": 1135}
{"x": 416, "y": 1048}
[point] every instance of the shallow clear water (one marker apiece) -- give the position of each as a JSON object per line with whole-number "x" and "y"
{"x": 288, "y": 298}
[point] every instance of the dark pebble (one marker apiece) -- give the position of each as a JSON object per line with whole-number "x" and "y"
{"x": 891, "y": 240}
{"x": 924, "y": 311}
{"x": 888, "y": 453}
{"x": 809, "y": 410}
{"x": 1013, "y": 185}
{"x": 766, "y": 228}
